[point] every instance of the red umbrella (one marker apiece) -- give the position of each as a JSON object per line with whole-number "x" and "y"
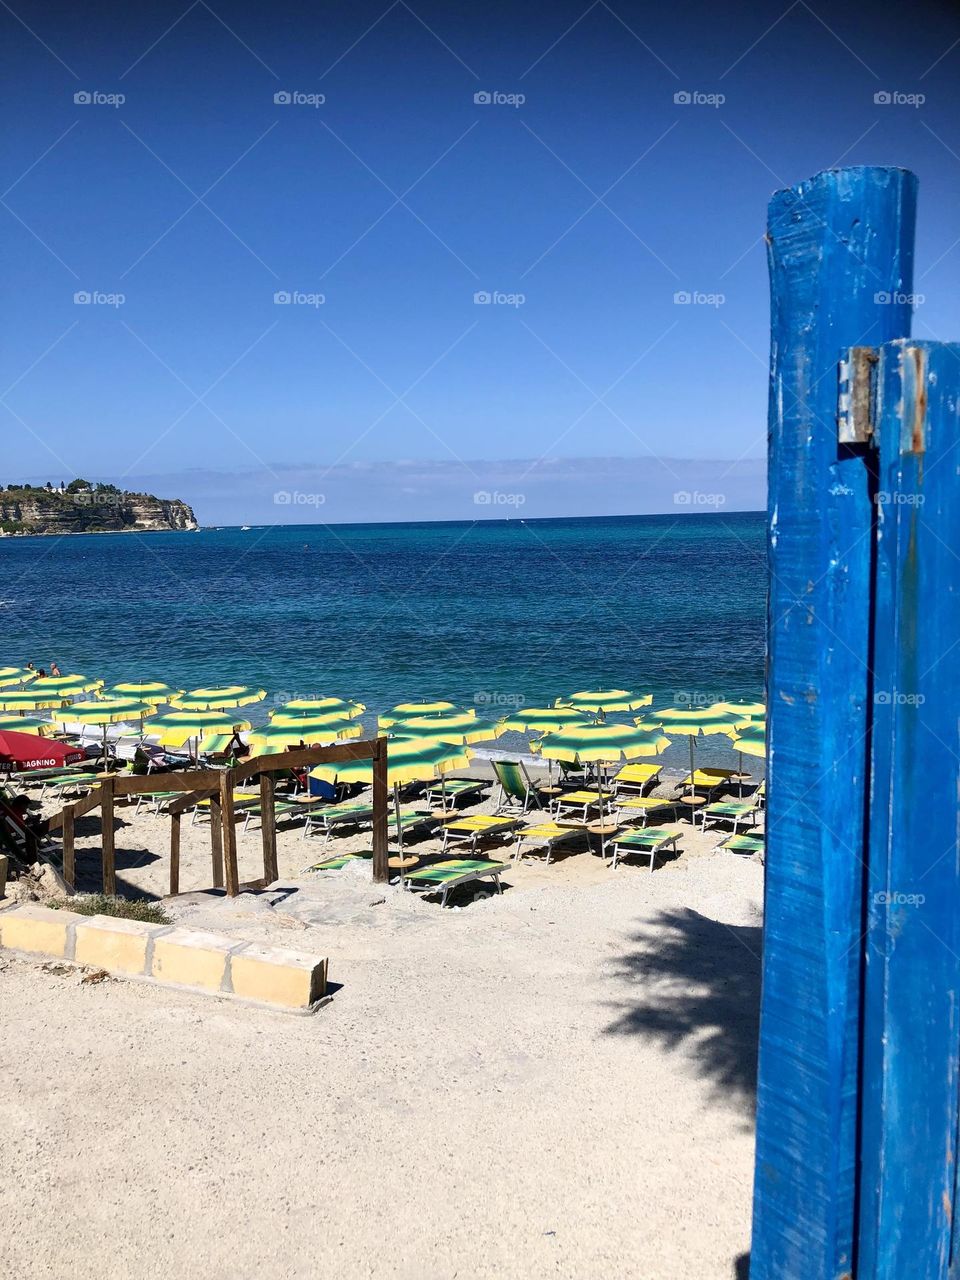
{"x": 26, "y": 751}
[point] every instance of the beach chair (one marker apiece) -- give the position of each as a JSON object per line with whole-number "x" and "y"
{"x": 338, "y": 862}
{"x": 477, "y": 827}
{"x": 518, "y": 791}
{"x": 636, "y": 778}
{"x": 156, "y": 799}
{"x": 647, "y": 841}
{"x": 281, "y": 809}
{"x": 241, "y": 799}
{"x": 442, "y": 877}
{"x": 546, "y": 835}
{"x": 633, "y": 808}
{"x": 744, "y": 843}
{"x": 706, "y": 780}
{"x": 326, "y": 820}
{"x": 580, "y": 800}
{"x": 760, "y": 795}
{"x": 445, "y": 796}
{"x": 68, "y": 784}
{"x": 739, "y": 812}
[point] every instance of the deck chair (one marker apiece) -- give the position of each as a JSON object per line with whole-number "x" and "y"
{"x": 241, "y": 799}
{"x": 75, "y": 784}
{"x": 760, "y": 795}
{"x": 743, "y": 843}
{"x": 446, "y": 795}
{"x": 583, "y": 800}
{"x": 443, "y": 876}
{"x": 518, "y": 791}
{"x": 636, "y": 778}
{"x": 470, "y": 830}
{"x": 706, "y": 780}
{"x": 340, "y": 861}
{"x": 739, "y": 812}
{"x": 633, "y": 808}
{"x": 546, "y": 835}
{"x": 326, "y": 819}
{"x": 648, "y": 841}
{"x": 281, "y": 809}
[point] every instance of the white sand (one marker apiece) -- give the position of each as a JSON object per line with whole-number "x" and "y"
{"x": 555, "y": 1082}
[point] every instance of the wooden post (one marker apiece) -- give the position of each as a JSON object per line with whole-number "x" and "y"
{"x": 229, "y": 824}
{"x": 69, "y": 847}
{"x": 216, "y": 841}
{"x": 107, "y": 848}
{"x": 841, "y": 250}
{"x": 268, "y": 828}
{"x": 911, "y": 1032}
{"x": 381, "y": 868}
{"x": 175, "y": 853}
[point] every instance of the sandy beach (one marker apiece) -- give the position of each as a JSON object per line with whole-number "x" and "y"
{"x": 556, "y": 1081}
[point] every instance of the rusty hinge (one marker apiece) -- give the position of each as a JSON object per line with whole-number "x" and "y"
{"x": 856, "y": 396}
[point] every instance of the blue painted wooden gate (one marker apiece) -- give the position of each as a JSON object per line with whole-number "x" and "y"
{"x": 857, "y": 1106}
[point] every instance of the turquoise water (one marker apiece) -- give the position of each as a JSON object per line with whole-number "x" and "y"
{"x": 492, "y": 614}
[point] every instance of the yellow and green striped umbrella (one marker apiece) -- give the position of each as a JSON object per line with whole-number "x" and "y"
{"x": 544, "y": 719}
{"x": 601, "y": 701}
{"x": 22, "y": 724}
{"x": 341, "y": 708}
{"x": 745, "y": 710}
{"x": 308, "y": 721}
{"x": 15, "y": 675}
{"x": 404, "y": 710}
{"x": 455, "y": 728}
{"x": 28, "y": 700}
{"x": 69, "y": 686}
{"x": 149, "y": 690}
{"x": 174, "y": 728}
{"x": 279, "y": 737}
{"x": 691, "y": 721}
{"x": 601, "y": 742}
{"x": 408, "y": 760}
{"x": 750, "y": 737}
{"x": 218, "y": 698}
{"x": 104, "y": 711}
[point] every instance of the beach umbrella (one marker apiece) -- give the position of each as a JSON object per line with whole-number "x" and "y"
{"x": 603, "y": 743}
{"x": 341, "y": 708}
{"x": 104, "y": 712}
{"x": 273, "y": 737}
{"x": 310, "y": 721}
{"x": 404, "y": 710}
{"x": 600, "y": 701}
{"x": 15, "y": 675}
{"x": 745, "y": 710}
{"x": 68, "y": 686}
{"x": 455, "y": 727}
{"x": 28, "y": 700}
{"x": 544, "y": 719}
{"x": 691, "y": 722}
{"x": 148, "y": 690}
{"x": 218, "y": 698}
{"x": 750, "y": 737}
{"x": 174, "y": 728}
{"x": 23, "y": 724}
{"x": 408, "y": 760}
{"x": 28, "y": 751}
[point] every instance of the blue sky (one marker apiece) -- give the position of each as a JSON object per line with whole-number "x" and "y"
{"x": 582, "y": 210}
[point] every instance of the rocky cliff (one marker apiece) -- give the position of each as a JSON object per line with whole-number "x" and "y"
{"x": 97, "y": 509}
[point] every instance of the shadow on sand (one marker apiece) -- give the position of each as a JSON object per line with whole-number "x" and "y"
{"x": 696, "y": 982}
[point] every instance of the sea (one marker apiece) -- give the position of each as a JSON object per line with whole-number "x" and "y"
{"x": 494, "y": 615}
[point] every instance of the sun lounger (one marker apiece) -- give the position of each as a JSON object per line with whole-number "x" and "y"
{"x": 443, "y": 876}
{"x": 477, "y": 827}
{"x": 742, "y": 843}
{"x": 326, "y": 819}
{"x": 453, "y": 789}
{"x": 648, "y": 840}
{"x": 631, "y": 808}
{"x": 69, "y": 784}
{"x": 636, "y": 777}
{"x": 518, "y": 791}
{"x": 241, "y": 799}
{"x": 739, "y": 812}
{"x": 583, "y": 800}
{"x": 339, "y": 862}
{"x": 155, "y": 798}
{"x": 708, "y": 780}
{"x": 546, "y": 835}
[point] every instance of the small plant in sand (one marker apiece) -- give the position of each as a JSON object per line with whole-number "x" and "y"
{"x": 98, "y": 904}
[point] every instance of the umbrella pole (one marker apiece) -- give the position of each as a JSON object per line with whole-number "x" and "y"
{"x": 396, "y": 810}
{"x": 692, "y": 787}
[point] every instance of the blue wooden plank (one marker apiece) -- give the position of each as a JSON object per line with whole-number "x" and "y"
{"x": 912, "y": 1010}
{"x": 840, "y": 248}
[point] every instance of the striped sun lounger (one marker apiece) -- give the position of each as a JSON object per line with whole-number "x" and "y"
{"x": 339, "y": 862}
{"x": 476, "y": 827}
{"x": 742, "y": 843}
{"x": 325, "y": 820}
{"x": 739, "y": 812}
{"x": 583, "y": 800}
{"x": 638, "y": 808}
{"x": 648, "y": 840}
{"x": 546, "y": 835}
{"x": 441, "y": 877}
{"x": 707, "y": 780}
{"x": 452, "y": 790}
{"x": 636, "y": 777}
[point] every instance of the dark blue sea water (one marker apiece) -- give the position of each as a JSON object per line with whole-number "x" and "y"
{"x": 491, "y": 614}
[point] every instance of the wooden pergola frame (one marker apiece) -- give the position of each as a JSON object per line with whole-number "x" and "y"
{"x": 217, "y": 786}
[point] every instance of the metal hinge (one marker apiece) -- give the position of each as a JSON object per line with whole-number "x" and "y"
{"x": 856, "y": 396}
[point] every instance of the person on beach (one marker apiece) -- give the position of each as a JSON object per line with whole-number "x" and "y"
{"x": 54, "y": 669}
{"x": 236, "y": 747}
{"x": 41, "y": 674}
{"x": 31, "y": 667}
